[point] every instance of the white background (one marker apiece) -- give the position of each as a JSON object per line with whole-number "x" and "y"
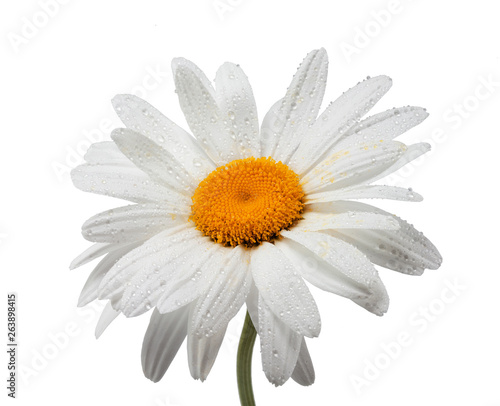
{"x": 55, "y": 90}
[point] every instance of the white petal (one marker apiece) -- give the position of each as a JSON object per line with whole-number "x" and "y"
{"x": 141, "y": 117}
{"x": 269, "y": 131}
{"x": 89, "y": 291}
{"x": 106, "y": 153}
{"x": 319, "y": 272}
{"x": 159, "y": 164}
{"x": 190, "y": 284}
{"x": 352, "y": 166}
{"x": 115, "y": 301}
{"x": 279, "y": 345}
{"x": 384, "y": 126}
{"x": 340, "y": 268}
{"x": 404, "y": 250}
{"x": 299, "y": 108}
{"x": 107, "y": 316}
{"x": 253, "y": 305}
{"x": 225, "y": 295}
{"x": 123, "y": 181}
{"x": 237, "y": 105}
{"x": 94, "y": 251}
{"x": 198, "y": 102}
{"x": 284, "y": 291}
{"x": 131, "y": 223}
{"x": 107, "y": 164}
{"x": 153, "y": 254}
{"x": 336, "y": 120}
{"x": 202, "y": 352}
{"x": 327, "y": 218}
{"x": 365, "y": 192}
{"x": 412, "y": 152}
{"x": 158, "y": 282}
{"x": 164, "y": 336}
{"x": 303, "y": 373}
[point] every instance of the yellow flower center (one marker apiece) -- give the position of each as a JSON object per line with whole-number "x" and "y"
{"x": 247, "y": 201}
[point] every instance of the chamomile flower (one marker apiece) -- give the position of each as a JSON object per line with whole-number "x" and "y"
{"x": 242, "y": 214}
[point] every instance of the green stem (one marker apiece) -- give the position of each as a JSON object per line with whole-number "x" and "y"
{"x": 244, "y": 363}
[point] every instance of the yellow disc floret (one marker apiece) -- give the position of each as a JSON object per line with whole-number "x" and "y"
{"x": 247, "y": 201}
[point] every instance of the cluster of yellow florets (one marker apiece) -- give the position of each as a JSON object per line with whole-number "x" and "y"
{"x": 247, "y": 201}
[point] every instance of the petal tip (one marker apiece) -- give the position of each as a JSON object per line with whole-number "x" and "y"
{"x": 117, "y": 99}
{"x": 178, "y": 63}
{"x": 152, "y": 377}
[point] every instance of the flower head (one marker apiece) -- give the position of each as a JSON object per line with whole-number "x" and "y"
{"x": 240, "y": 214}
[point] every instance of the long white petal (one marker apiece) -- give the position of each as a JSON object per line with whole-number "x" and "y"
{"x": 141, "y": 117}
{"x": 299, "y": 108}
{"x": 158, "y": 163}
{"x": 412, "y": 152}
{"x": 164, "y": 336}
{"x": 404, "y": 250}
{"x": 279, "y": 345}
{"x": 303, "y": 373}
{"x": 186, "y": 286}
{"x": 131, "y": 223}
{"x": 365, "y": 192}
{"x": 107, "y": 316}
{"x": 225, "y": 295}
{"x": 352, "y": 166}
{"x": 384, "y": 126}
{"x": 238, "y": 110}
{"x": 284, "y": 290}
{"x": 329, "y": 219}
{"x": 106, "y": 153}
{"x": 202, "y": 351}
{"x": 94, "y": 251}
{"x": 349, "y": 270}
{"x": 336, "y": 120}
{"x": 151, "y": 255}
{"x": 270, "y": 130}
{"x": 319, "y": 272}
{"x": 90, "y": 289}
{"x": 197, "y": 99}
{"x": 253, "y": 305}
{"x": 122, "y": 180}
{"x": 186, "y": 261}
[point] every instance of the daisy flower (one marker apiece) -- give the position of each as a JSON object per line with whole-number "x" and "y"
{"x": 242, "y": 214}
